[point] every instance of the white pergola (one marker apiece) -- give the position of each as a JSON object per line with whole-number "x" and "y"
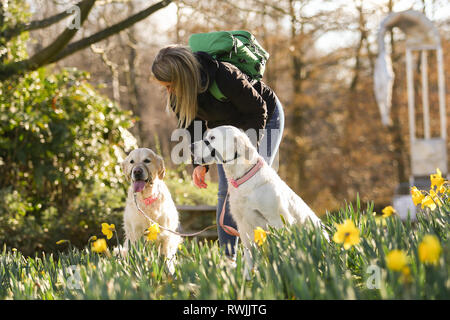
{"x": 427, "y": 153}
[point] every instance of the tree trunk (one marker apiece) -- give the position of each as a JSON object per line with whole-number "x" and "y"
{"x": 297, "y": 108}
{"x": 134, "y": 99}
{"x": 2, "y": 41}
{"x": 398, "y": 144}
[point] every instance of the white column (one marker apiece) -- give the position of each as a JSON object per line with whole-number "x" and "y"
{"x": 441, "y": 86}
{"x": 425, "y": 101}
{"x": 410, "y": 86}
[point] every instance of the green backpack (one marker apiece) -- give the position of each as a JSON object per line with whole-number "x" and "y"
{"x": 239, "y": 48}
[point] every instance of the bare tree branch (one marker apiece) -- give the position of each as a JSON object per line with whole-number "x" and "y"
{"x": 44, "y": 56}
{"x": 113, "y": 67}
{"x": 9, "y": 33}
{"x": 116, "y": 28}
{"x": 61, "y": 48}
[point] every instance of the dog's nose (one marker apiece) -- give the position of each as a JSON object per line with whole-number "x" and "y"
{"x": 138, "y": 172}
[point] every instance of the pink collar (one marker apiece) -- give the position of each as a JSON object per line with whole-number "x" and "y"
{"x": 149, "y": 200}
{"x": 248, "y": 175}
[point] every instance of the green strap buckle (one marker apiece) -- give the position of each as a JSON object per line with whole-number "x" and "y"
{"x": 216, "y": 93}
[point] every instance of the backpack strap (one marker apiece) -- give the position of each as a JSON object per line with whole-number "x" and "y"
{"x": 216, "y": 93}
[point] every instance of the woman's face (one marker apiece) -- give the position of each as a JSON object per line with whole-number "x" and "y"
{"x": 167, "y": 85}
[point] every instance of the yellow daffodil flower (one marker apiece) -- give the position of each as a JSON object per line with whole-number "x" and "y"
{"x": 430, "y": 201}
{"x": 437, "y": 179}
{"x": 347, "y": 234}
{"x": 429, "y": 249}
{"x": 442, "y": 189}
{"x": 406, "y": 274}
{"x": 435, "y": 197}
{"x": 99, "y": 246}
{"x": 417, "y": 196}
{"x": 153, "y": 232}
{"x": 396, "y": 260}
{"x": 388, "y": 211}
{"x": 260, "y": 235}
{"x": 406, "y": 271}
{"x": 108, "y": 229}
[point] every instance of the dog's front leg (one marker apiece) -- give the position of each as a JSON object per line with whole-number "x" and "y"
{"x": 248, "y": 264}
{"x": 130, "y": 238}
{"x": 248, "y": 260}
{"x": 169, "y": 248}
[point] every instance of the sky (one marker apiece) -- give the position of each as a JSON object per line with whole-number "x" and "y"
{"x": 330, "y": 41}
{"x": 165, "y": 20}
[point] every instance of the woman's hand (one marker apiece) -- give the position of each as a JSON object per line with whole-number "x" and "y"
{"x": 199, "y": 176}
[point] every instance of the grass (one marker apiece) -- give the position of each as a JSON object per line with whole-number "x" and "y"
{"x": 292, "y": 263}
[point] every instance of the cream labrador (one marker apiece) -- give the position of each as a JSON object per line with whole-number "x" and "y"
{"x": 261, "y": 200}
{"x": 145, "y": 171}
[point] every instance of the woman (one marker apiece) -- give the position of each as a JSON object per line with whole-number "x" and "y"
{"x": 249, "y": 105}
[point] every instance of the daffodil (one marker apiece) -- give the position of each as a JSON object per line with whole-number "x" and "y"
{"x": 99, "y": 246}
{"x": 443, "y": 188}
{"x": 437, "y": 179}
{"x": 347, "y": 234}
{"x": 435, "y": 197}
{"x": 62, "y": 241}
{"x": 388, "y": 211}
{"x": 417, "y": 196}
{"x": 153, "y": 231}
{"x": 396, "y": 260}
{"x": 431, "y": 200}
{"x": 260, "y": 235}
{"x": 406, "y": 274}
{"x": 429, "y": 249}
{"x": 108, "y": 229}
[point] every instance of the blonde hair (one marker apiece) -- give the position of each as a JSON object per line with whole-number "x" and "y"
{"x": 177, "y": 64}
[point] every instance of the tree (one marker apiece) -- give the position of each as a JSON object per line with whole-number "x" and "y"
{"x": 61, "y": 46}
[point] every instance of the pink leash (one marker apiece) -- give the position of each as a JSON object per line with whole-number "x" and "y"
{"x": 236, "y": 183}
{"x": 149, "y": 201}
{"x": 228, "y": 229}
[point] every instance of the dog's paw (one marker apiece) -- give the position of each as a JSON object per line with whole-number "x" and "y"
{"x": 230, "y": 263}
{"x": 248, "y": 273}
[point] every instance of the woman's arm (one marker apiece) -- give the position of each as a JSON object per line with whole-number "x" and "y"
{"x": 197, "y": 135}
{"x": 198, "y": 175}
{"x": 236, "y": 87}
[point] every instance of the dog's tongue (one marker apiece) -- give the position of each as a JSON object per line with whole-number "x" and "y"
{"x": 139, "y": 186}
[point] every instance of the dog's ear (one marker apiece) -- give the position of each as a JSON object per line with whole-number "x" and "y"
{"x": 160, "y": 166}
{"x": 123, "y": 165}
{"x": 243, "y": 145}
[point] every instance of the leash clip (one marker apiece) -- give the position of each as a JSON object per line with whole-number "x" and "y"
{"x": 234, "y": 183}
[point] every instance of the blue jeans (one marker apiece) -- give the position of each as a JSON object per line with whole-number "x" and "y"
{"x": 268, "y": 148}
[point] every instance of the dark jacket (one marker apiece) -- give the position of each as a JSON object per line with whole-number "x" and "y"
{"x": 249, "y": 104}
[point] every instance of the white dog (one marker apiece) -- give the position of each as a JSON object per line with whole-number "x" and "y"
{"x": 145, "y": 171}
{"x": 263, "y": 197}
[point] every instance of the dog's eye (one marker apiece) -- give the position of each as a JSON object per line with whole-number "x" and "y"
{"x": 131, "y": 161}
{"x": 212, "y": 138}
{"x": 147, "y": 161}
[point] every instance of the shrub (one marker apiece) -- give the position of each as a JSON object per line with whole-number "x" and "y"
{"x": 59, "y": 141}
